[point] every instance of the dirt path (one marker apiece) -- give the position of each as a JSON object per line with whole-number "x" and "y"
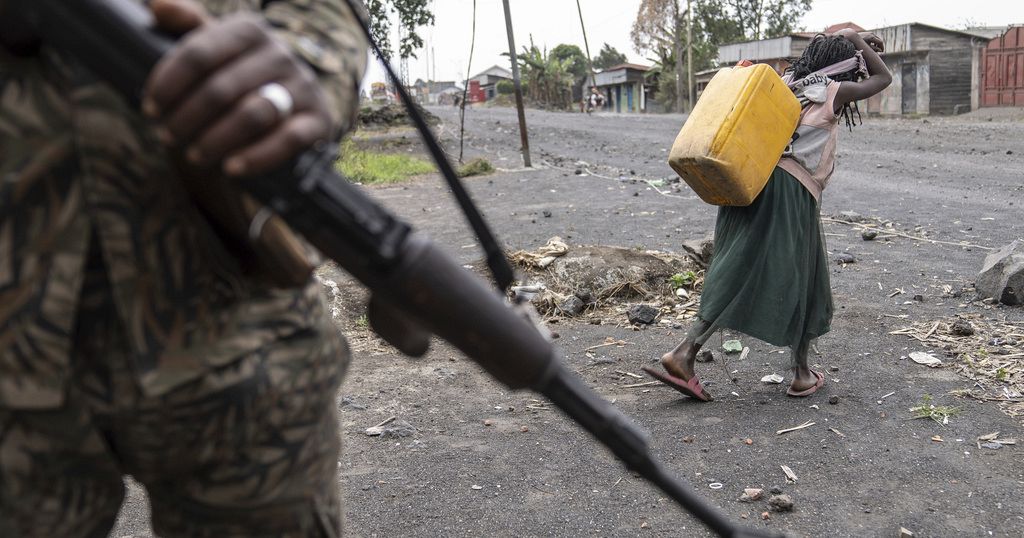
{"x": 471, "y": 469}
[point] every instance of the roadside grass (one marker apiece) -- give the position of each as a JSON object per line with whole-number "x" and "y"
{"x": 374, "y": 168}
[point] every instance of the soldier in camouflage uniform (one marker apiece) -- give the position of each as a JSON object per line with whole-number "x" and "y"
{"x": 134, "y": 337}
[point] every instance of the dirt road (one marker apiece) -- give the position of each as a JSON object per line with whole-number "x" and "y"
{"x": 486, "y": 462}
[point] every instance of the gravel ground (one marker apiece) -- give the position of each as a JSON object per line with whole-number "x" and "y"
{"x": 484, "y": 461}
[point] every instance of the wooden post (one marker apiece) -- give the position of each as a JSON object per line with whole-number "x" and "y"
{"x": 586, "y": 46}
{"x": 689, "y": 52}
{"x": 518, "y": 88}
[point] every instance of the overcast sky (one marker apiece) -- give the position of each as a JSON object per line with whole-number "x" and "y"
{"x": 551, "y": 22}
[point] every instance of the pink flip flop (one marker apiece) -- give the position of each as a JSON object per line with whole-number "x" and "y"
{"x": 809, "y": 391}
{"x": 691, "y": 388}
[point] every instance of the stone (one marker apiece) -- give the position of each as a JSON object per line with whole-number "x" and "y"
{"x": 397, "y": 429}
{"x": 700, "y": 250}
{"x": 586, "y": 296}
{"x": 844, "y": 258}
{"x": 833, "y": 399}
{"x": 642, "y": 314}
{"x": 868, "y": 235}
{"x": 751, "y": 494}
{"x": 962, "y": 328}
{"x": 546, "y": 214}
{"x": 780, "y": 503}
{"x": 572, "y": 306}
{"x": 775, "y": 490}
{"x": 1002, "y": 275}
{"x": 705, "y": 355}
{"x": 904, "y": 533}
{"x": 850, "y": 216}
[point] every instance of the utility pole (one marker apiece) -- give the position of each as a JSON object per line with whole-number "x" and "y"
{"x": 689, "y": 51}
{"x": 586, "y": 46}
{"x": 518, "y": 87}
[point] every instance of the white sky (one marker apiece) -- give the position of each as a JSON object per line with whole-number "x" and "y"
{"x": 551, "y": 22}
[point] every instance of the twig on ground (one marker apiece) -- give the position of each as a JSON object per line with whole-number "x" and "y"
{"x": 807, "y": 424}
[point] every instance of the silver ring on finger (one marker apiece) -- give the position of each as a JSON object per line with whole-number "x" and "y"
{"x": 279, "y": 96}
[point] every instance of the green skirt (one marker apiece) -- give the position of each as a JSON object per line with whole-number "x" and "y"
{"x": 769, "y": 275}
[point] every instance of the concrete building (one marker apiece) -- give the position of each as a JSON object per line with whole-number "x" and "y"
{"x": 435, "y": 92}
{"x": 934, "y": 70}
{"x": 623, "y": 87}
{"x": 489, "y": 79}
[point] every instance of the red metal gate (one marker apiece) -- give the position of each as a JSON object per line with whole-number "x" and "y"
{"x": 1003, "y": 59}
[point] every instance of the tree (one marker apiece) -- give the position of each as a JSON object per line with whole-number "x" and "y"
{"x": 412, "y": 15}
{"x": 763, "y": 19}
{"x": 660, "y": 27}
{"x": 608, "y": 57}
{"x": 576, "y": 62}
{"x": 547, "y": 79}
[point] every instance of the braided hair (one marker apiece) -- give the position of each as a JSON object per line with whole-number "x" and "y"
{"x": 823, "y": 51}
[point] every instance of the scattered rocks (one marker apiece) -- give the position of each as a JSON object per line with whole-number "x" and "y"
{"x": 705, "y": 355}
{"x": 962, "y": 328}
{"x": 1002, "y": 275}
{"x": 868, "y": 235}
{"x": 850, "y": 216}
{"x": 586, "y": 296}
{"x": 642, "y": 314}
{"x": 751, "y": 494}
{"x": 572, "y": 306}
{"x": 780, "y": 503}
{"x": 392, "y": 429}
{"x": 390, "y": 115}
{"x": 351, "y": 403}
{"x": 844, "y": 258}
{"x": 834, "y": 400}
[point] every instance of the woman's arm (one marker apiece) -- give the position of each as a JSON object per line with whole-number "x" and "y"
{"x": 879, "y": 77}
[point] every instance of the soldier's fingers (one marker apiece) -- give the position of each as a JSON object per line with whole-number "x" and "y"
{"x": 221, "y": 91}
{"x": 177, "y": 17}
{"x": 294, "y": 136}
{"x": 199, "y": 53}
{"x": 247, "y": 122}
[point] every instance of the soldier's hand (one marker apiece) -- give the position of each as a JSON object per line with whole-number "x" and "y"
{"x": 231, "y": 93}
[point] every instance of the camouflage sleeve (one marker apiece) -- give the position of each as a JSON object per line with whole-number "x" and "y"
{"x": 326, "y": 34}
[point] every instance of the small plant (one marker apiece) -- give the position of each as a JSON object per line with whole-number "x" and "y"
{"x": 938, "y": 413}
{"x": 363, "y": 322}
{"x": 1002, "y": 374}
{"x": 476, "y": 167}
{"x": 682, "y": 280}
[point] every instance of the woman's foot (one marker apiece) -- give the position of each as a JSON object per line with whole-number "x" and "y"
{"x": 805, "y": 381}
{"x": 681, "y": 360}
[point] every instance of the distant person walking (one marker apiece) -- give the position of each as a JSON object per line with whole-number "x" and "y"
{"x": 769, "y": 276}
{"x": 595, "y": 100}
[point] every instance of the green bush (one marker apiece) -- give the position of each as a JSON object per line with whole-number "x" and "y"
{"x": 505, "y": 87}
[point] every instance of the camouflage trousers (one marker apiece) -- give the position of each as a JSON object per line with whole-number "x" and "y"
{"x": 250, "y": 449}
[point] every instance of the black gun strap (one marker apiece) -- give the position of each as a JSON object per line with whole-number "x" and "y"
{"x": 499, "y": 265}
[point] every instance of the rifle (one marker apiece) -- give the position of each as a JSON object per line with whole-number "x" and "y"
{"x": 115, "y": 39}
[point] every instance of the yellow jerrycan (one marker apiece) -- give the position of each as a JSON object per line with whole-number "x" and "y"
{"x": 733, "y": 139}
